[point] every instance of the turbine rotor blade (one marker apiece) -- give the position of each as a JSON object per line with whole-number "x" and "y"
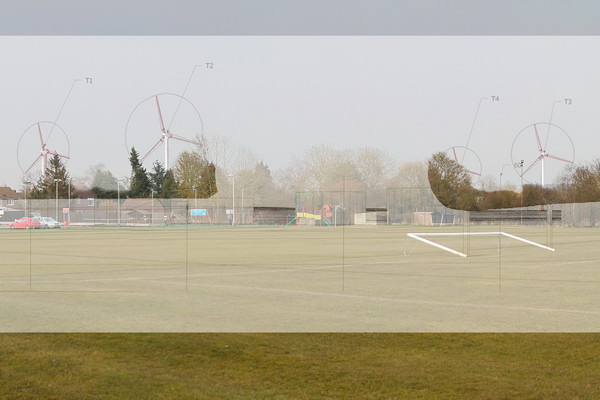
{"x": 558, "y": 158}
{"x": 532, "y": 164}
{"x": 162, "y": 123}
{"x": 185, "y": 140}
{"x": 40, "y": 133}
{"x": 33, "y": 163}
{"x": 57, "y": 154}
{"x": 455, "y": 157}
{"x": 537, "y": 137}
{"x": 60, "y": 155}
{"x": 152, "y": 149}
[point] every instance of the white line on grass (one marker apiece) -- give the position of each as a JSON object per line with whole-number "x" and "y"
{"x": 395, "y": 300}
{"x": 141, "y": 278}
{"x": 324, "y": 294}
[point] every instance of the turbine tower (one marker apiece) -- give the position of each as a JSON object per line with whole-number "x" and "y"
{"x": 543, "y": 154}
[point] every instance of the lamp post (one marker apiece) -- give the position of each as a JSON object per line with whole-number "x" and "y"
{"x": 517, "y": 165}
{"x": 118, "y": 202}
{"x": 243, "y": 213}
{"x": 69, "y": 204}
{"x": 500, "y": 236}
{"x": 195, "y": 195}
{"x": 152, "y": 205}
{"x": 232, "y": 176}
{"x": 26, "y": 183}
{"x": 56, "y": 192}
{"x": 501, "y": 173}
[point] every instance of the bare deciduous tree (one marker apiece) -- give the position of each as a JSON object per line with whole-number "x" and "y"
{"x": 410, "y": 174}
{"x": 375, "y": 167}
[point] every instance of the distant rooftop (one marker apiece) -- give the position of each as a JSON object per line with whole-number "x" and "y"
{"x": 9, "y": 193}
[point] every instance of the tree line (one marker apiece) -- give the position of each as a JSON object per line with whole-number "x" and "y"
{"x": 203, "y": 171}
{"x": 56, "y": 181}
{"x": 452, "y": 186}
{"x": 191, "y": 177}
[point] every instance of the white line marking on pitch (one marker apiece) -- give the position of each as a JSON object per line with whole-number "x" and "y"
{"x": 390, "y": 299}
{"x": 327, "y": 294}
{"x": 142, "y": 278}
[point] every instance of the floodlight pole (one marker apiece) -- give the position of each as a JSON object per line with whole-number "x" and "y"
{"x": 56, "y": 192}
{"x": 335, "y": 216}
{"x": 232, "y": 176}
{"x": 152, "y": 205}
{"x": 69, "y": 203}
{"x": 243, "y": 213}
{"x": 118, "y": 202}
{"x": 500, "y": 184}
{"x": 195, "y": 195}
{"x": 522, "y": 192}
{"x": 520, "y": 164}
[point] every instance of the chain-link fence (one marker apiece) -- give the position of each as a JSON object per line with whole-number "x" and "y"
{"x": 222, "y": 211}
{"x": 579, "y": 214}
{"x": 418, "y": 206}
{"x": 329, "y": 208}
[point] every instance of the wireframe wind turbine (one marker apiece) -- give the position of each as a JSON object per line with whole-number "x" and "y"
{"x": 473, "y": 160}
{"x": 44, "y": 152}
{"x": 165, "y": 134}
{"x": 543, "y": 153}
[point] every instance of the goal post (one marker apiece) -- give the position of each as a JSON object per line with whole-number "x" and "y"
{"x": 420, "y": 237}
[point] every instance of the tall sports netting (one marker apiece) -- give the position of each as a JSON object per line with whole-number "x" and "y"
{"x": 329, "y": 208}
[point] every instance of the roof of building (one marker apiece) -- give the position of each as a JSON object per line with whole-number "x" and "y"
{"x": 83, "y": 191}
{"x": 141, "y": 204}
{"x": 9, "y": 193}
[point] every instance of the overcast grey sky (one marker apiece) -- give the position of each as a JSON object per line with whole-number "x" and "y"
{"x": 292, "y": 17}
{"x": 278, "y": 96}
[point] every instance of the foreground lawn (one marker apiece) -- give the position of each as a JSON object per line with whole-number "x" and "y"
{"x": 299, "y": 366}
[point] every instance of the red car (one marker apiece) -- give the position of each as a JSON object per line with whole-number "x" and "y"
{"x": 26, "y": 223}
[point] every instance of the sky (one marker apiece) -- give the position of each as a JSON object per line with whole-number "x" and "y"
{"x": 278, "y": 96}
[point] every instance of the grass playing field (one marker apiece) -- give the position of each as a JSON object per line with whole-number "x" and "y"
{"x": 296, "y": 279}
{"x": 299, "y": 366}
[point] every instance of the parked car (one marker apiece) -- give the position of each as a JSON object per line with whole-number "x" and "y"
{"x": 49, "y": 222}
{"x": 26, "y": 223}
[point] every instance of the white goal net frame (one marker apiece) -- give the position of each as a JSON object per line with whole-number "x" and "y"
{"x": 419, "y": 237}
